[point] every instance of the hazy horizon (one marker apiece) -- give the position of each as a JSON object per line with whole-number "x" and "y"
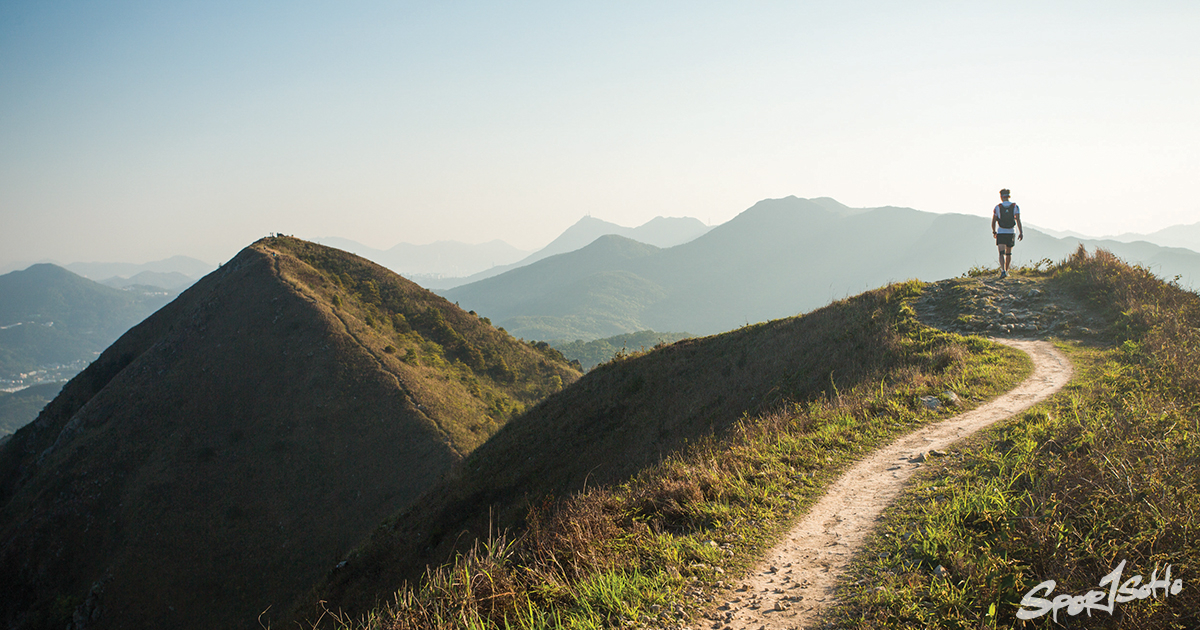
{"x": 11, "y": 265}
{"x": 132, "y": 132}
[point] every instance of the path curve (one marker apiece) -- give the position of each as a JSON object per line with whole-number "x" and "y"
{"x": 795, "y": 580}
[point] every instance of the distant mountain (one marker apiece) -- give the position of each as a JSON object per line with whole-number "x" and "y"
{"x": 1060, "y": 233}
{"x": 659, "y": 232}
{"x": 167, "y": 281}
{"x": 435, "y": 260}
{"x": 219, "y": 457}
{"x": 19, "y": 408}
{"x": 593, "y": 353}
{"x": 183, "y": 265}
{"x": 51, "y": 317}
{"x": 778, "y": 258}
{"x": 1187, "y": 236}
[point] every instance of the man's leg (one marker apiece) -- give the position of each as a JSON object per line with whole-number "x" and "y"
{"x": 1007, "y": 257}
{"x": 1002, "y": 267}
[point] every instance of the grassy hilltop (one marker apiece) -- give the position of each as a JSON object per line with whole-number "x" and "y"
{"x": 213, "y": 462}
{"x": 1108, "y": 471}
{"x": 1104, "y": 472}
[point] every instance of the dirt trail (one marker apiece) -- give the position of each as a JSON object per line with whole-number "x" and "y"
{"x": 795, "y": 580}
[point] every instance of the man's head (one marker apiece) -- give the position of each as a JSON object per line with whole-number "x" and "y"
{"x": 1004, "y": 194}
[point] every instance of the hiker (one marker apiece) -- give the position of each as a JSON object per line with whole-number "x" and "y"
{"x": 1007, "y": 215}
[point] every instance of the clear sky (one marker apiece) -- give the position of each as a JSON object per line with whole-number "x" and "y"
{"x": 133, "y": 131}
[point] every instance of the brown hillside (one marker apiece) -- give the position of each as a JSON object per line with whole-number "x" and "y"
{"x": 219, "y": 457}
{"x": 619, "y": 419}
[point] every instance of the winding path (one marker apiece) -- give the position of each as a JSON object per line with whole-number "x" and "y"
{"x": 795, "y": 580}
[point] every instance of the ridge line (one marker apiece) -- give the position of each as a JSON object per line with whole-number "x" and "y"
{"x": 378, "y": 363}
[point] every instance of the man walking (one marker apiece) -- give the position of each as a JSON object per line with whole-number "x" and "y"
{"x": 1007, "y": 215}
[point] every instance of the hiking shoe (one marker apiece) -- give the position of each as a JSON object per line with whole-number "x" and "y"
{"x": 1003, "y": 274}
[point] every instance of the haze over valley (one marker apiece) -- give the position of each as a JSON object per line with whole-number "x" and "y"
{"x": 598, "y": 279}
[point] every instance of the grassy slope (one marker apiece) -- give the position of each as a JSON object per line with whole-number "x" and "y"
{"x": 1107, "y": 471}
{"x": 475, "y": 376}
{"x": 261, "y": 424}
{"x": 649, "y": 533}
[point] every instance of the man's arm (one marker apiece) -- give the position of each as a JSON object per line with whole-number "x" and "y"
{"x": 1020, "y": 228}
{"x": 993, "y": 223}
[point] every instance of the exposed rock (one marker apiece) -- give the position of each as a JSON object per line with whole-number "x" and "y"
{"x": 1016, "y": 307}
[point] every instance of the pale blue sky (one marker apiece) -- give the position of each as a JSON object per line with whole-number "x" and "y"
{"x": 133, "y": 131}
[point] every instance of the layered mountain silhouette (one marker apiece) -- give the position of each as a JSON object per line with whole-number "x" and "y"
{"x": 659, "y": 232}
{"x": 220, "y": 456}
{"x": 448, "y": 264}
{"x": 778, "y": 258}
{"x": 51, "y": 316}
{"x": 99, "y": 271}
{"x": 173, "y": 274}
{"x": 172, "y": 281}
{"x": 1173, "y": 236}
{"x": 434, "y": 260}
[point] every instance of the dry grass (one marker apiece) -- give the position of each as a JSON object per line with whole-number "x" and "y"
{"x": 1105, "y": 472}
{"x": 644, "y": 549}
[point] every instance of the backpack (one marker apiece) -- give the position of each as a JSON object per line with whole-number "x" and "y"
{"x": 1008, "y": 216}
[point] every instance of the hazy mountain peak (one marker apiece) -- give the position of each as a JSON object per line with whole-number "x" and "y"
{"x": 660, "y": 232}
{"x": 184, "y": 265}
{"x": 777, "y": 258}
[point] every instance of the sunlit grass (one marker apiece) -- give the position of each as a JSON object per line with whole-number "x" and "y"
{"x": 652, "y": 550}
{"x": 1104, "y": 472}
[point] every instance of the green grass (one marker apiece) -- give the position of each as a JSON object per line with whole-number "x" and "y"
{"x": 1107, "y": 471}
{"x": 417, "y": 332}
{"x": 651, "y": 550}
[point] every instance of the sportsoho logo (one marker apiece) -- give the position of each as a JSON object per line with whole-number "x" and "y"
{"x": 1118, "y": 592}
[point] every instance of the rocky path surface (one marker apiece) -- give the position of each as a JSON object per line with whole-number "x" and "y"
{"x": 1019, "y": 307}
{"x": 795, "y": 581}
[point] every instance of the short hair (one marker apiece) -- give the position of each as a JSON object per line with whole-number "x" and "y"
{"x": 1004, "y": 191}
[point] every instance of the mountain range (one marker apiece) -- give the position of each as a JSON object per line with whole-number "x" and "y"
{"x": 780, "y": 257}
{"x": 1186, "y": 236}
{"x": 1174, "y": 236}
{"x": 434, "y": 261}
{"x": 447, "y": 264}
{"x": 52, "y": 319}
{"x": 221, "y": 455}
{"x": 169, "y": 268}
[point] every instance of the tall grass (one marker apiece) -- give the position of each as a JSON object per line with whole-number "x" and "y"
{"x": 650, "y": 551}
{"x": 1108, "y": 471}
